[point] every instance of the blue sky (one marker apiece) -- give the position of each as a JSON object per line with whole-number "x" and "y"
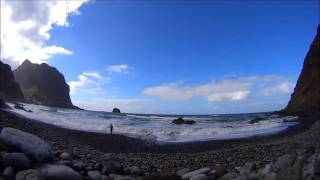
{"x": 184, "y": 57}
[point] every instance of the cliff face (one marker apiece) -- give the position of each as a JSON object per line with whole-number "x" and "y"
{"x": 43, "y": 84}
{"x": 306, "y": 96}
{"x": 9, "y": 89}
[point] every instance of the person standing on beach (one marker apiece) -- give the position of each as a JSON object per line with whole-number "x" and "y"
{"x": 111, "y": 129}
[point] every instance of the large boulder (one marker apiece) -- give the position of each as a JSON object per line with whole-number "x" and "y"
{"x": 43, "y": 84}
{"x": 9, "y": 89}
{"x": 58, "y": 172}
{"x": 306, "y": 96}
{"x": 31, "y": 145}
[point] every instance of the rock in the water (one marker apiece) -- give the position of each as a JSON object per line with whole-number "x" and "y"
{"x": 9, "y": 89}
{"x": 180, "y": 120}
{"x": 306, "y": 96}
{"x": 116, "y": 110}
{"x": 18, "y": 161}
{"x": 94, "y": 175}
{"x": 199, "y": 177}
{"x": 255, "y": 120}
{"x": 43, "y": 84}
{"x": 31, "y": 145}
{"x": 30, "y": 174}
{"x": 193, "y": 173}
{"x": 58, "y": 172}
{"x": 8, "y": 173}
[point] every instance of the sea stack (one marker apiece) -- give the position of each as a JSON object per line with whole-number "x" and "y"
{"x": 306, "y": 96}
{"x": 43, "y": 84}
{"x": 116, "y": 110}
{"x": 9, "y": 89}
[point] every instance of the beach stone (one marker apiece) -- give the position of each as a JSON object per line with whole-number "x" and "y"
{"x": 112, "y": 167}
{"x": 284, "y": 162}
{"x": 228, "y": 176}
{"x": 291, "y": 173}
{"x": 58, "y": 172}
{"x": 199, "y": 177}
{"x": 78, "y": 166}
{"x": 98, "y": 166}
{"x": 162, "y": 176}
{"x": 247, "y": 168}
{"x": 30, "y": 174}
{"x": 183, "y": 171}
{"x": 134, "y": 170}
{"x": 18, "y": 161}
{"x": 31, "y": 145}
{"x": 94, "y": 175}
{"x": 66, "y": 156}
{"x": 193, "y": 173}
{"x": 106, "y": 178}
{"x": 220, "y": 171}
{"x": 317, "y": 167}
{"x": 8, "y": 173}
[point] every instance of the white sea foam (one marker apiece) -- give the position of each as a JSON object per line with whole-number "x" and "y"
{"x": 158, "y": 127}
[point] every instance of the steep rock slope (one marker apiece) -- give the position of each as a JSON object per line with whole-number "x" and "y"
{"x": 306, "y": 96}
{"x": 43, "y": 84}
{"x": 9, "y": 89}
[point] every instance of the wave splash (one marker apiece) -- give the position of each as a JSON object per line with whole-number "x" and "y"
{"x": 159, "y": 127}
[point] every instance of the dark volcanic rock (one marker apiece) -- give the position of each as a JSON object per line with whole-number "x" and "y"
{"x": 180, "y": 120}
{"x": 9, "y": 89}
{"x": 306, "y": 96}
{"x": 116, "y": 110}
{"x": 43, "y": 84}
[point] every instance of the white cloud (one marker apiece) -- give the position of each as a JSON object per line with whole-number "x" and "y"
{"x": 225, "y": 90}
{"x": 88, "y": 83}
{"x": 121, "y": 68}
{"x": 26, "y": 25}
{"x": 282, "y": 88}
{"x": 107, "y": 104}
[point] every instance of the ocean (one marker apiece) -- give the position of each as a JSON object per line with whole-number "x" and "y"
{"x": 156, "y": 127}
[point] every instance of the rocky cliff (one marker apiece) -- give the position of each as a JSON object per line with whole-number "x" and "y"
{"x": 9, "y": 89}
{"x": 306, "y": 96}
{"x": 43, "y": 84}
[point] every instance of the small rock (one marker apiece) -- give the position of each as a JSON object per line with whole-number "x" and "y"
{"x": 247, "y": 168}
{"x": 284, "y": 162}
{"x": 162, "y": 176}
{"x": 66, "y": 156}
{"x": 199, "y": 177}
{"x": 61, "y": 172}
{"x": 134, "y": 170}
{"x": 228, "y": 176}
{"x": 30, "y": 174}
{"x": 220, "y": 171}
{"x": 18, "y": 161}
{"x": 193, "y": 173}
{"x": 94, "y": 175}
{"x": 78, "y": 166}
{"x": 317, "y": 167}
{"x": 111, "y": 167}
{"x": 98, "y": 166}
{"x": 183, "y": 171}
{"x": 8, "y": 173}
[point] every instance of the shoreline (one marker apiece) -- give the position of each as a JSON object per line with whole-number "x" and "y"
{"x": 170, "y": 157}
{"x": 154, "y": 146}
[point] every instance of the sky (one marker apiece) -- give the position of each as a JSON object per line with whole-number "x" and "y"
{"x": 166, "y": 57}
